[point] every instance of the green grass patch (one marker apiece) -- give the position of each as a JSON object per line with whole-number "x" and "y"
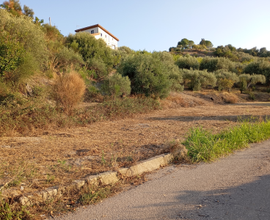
{"x": 204, "y": 146}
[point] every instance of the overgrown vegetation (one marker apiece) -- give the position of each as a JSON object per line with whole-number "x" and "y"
{"x": 68, "y": 91}
{"x": 205, "y": 146}
{"x": 26, "y": 117}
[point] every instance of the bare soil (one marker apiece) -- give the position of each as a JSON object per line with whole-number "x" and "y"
{"x": 59, "y": 156}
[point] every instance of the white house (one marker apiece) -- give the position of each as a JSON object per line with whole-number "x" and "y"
{"x": 100, "y": 32}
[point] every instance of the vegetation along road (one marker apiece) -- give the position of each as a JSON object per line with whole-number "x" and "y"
{"x": 236, "y": 187}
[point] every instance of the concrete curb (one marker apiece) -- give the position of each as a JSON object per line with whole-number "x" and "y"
{"x": 103, "y": 178}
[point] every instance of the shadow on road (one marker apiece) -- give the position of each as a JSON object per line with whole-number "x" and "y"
{"x": 244, "y": 202}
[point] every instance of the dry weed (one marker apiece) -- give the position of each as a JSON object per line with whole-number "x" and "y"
{"x": 178, "y": 150}
{"x": 174, "y": 100}
{"x": 68, "y": 90}
{"x": 230, "y": 97}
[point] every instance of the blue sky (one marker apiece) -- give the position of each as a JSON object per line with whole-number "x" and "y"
{"x": 156, "y": 25}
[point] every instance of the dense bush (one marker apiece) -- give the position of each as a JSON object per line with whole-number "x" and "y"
{"x": 97, "y": 56}
{"x": 225, "y": 79}
{"x": 260, "y": 67}
{"x": 185, "y": 44}
{"x": 171, "y": 70}
{"x": 61, "y": 58}
{"x": 22, "y": 43}
{"x": 66, "y": 59}
{"x": 68, "y": 91}
{"x": 11, "y": 54}
{"x": 213, "y": 64}
{"x": 188, "y": 62}
{"x": 116, "y": 85}
{"x": 228, "y": 51}
{"x": 196, "y": 79}
{"x": 247, "y": 80}
{"x": 125, "y": 51}
{"x": 147, "y": 75}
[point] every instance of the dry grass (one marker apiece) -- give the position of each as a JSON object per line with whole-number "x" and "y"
{"x": 174, "y": 100}
{"x": 229, "y": 97}
{"x": 68, "y": 90}
{"x": 58, "y": 156}
{"x": 179, "y": 151}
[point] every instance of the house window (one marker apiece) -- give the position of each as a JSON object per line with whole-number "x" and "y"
{"x": 92, "y": 31}
{"x": 101, "y": 34}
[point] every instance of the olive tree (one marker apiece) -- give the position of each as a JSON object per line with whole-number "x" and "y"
{"x": 147, "y": 75}
{"x": 116, "y": 85}
{"x": 171, "y": 70}
{"x": 225, "y": 79}
{"x": 23, "y": 46}
{"x": 213, "y": 64}
{"x": 247, "y": 80}
{"x": 260, "y": 67}
{"x": 197, "y": 79}
{"x": 187, "y": 62}
{"x": 97, "y": 56}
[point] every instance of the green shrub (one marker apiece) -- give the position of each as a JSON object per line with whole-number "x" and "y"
{"x": 228, "y": 51}
{"x": 11, "y": 54}
{"x": 97, "y": 56}
{"x": 197, "y": 79}
{"x": 29, "y": 35}
{"x": 66, "y": 59}
{"x": 147, "y": 75}
{"x": 246, "y": 80}
{"x": 116, "y": 85}
{"x": 225, "y": 79}
{"x": 213, "y": 64}
{"x": 23, "y": 47}
{"x": 188, "y": 62}
{"x": 261, "y": 67}
{"x": 171, "y": 70}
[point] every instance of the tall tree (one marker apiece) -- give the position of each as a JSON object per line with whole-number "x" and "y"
{"x": 14, "y": 7}
{"x": 206, "y": 43}
{"x": 184, "y": 43}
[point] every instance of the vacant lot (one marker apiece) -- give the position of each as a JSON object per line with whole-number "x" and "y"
{"x": 58, "y": 157}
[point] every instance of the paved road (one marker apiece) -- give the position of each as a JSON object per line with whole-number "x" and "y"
{"x": 235, "y": 187}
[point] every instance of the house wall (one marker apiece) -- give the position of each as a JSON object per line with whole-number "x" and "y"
{"x": 109, "y": 40}
{"x": 94, "y": 29}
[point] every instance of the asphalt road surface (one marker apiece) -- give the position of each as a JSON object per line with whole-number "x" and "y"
{"x": 235, "y": 187}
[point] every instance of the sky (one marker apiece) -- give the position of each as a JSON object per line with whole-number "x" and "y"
{"x": 157, "y": 25}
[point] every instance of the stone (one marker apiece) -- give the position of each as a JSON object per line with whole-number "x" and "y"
{"x": 25, "y": 201}
{"x": 29, "y": 90}
{"x": 104, "y": 178}
{"x": 108, "y": 178}
{"x": 147, "y": 165}
{"x": 78, "y": 184}
{"x": 92, "y": 180}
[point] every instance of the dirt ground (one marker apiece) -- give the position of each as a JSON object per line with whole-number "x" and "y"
{"x": 58, "y": 157}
